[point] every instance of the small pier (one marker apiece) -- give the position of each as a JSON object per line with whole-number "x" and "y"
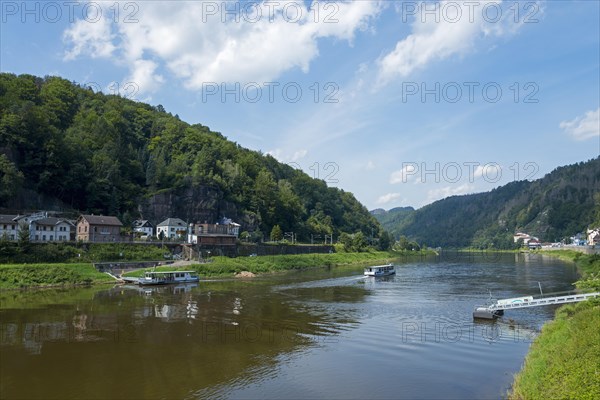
{"x": 497, "y": 309}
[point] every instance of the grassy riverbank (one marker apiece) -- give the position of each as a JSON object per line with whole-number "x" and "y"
{"x": 225, "y": 266}
{"x": 15, "y": 276}
{"x": 277, "y": 263}
{"x": 563, "y": 361}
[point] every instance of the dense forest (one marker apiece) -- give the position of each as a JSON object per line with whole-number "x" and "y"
{"x": 65, "y": 147}
{"x": 561, "y": 204}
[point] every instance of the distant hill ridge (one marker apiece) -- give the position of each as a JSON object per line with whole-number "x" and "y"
{"x": 558, "y": 205}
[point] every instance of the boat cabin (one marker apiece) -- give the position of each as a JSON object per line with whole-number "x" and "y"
{"x": 167, "y": 277}
{"x": 380, "y": 270}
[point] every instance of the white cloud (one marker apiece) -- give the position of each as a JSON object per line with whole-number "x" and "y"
{"x": 199, "y": 47}
{"x": 584, "y": 127}
{"x": 299, "y": 154}
{"x": 91, "y": 39}
{"x": 489, "y": 171}
{"x": 285, "y": 157}
{"x": 143, "y": 75}
{"x": 388, "y": 198}
{"x": 404, "y": 175}
{"x": 276, "y": 153}
{"x": 446, "y": 191}
{"x": 452, "y": 34}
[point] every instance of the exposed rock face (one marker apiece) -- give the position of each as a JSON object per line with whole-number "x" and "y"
{"x": 193, "y": 204}
{"x": 28, "y": 200}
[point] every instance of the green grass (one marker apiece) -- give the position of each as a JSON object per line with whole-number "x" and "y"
{"x": 11, "y": 253}
{"x": 277, "y": 263}
{"x": 225, "y": 266}
{"x": 14, "y": 276}
{"x": 564, "y": 361}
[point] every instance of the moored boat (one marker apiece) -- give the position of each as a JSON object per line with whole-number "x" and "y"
{"x": 380, "y": 270}
{"x": 168, "y": 277}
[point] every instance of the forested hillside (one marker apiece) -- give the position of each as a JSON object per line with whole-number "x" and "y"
{"x": 393, "y": 219}
{"x": 64, "y": 147}
{"x": 564, "y": 202}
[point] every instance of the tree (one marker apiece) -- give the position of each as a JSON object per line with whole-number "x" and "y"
{"x": 385, "y": 241}
{"x": 10, "y": 179}
{"x": 354, "y": 243}
{"x": 276, "y": 234}
{"x": 359, "y": 242}
{"x": 24, "y": 240}
{"x": 402, "y": 244}
{"x": 596, "y": 223}
{"x": 245, "y": 236}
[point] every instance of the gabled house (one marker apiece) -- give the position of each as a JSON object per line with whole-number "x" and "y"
{"x": 172, "y": 228}
{"x": 50, "y": 229}
{"x": 9, "y": 227}
{"x": 524, "y": 237}
{"x": 98, "y": 228}
{"x": 593, "y": 237}
{"x": 143, "y": 227}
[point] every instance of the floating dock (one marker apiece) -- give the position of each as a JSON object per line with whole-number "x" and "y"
{"x": 495, "y": 310}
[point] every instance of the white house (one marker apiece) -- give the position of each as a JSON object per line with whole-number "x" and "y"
{"x": 172, "y": 228}
{"x": 144, "y": 227}
{"x": 50, "y": 229}
{"x": 9, "y": 227}
{"x": 523, "y": 236}
{"x": 593, "y": 236}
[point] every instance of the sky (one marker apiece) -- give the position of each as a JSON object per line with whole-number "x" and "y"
{"x": 400, "y": 102}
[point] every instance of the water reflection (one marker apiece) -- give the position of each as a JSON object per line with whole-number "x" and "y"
{"x": 174, "y": 339}
{"x": 295, "y": 335}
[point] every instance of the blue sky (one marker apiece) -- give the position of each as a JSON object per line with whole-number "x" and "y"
{"x": 402, "y": 103}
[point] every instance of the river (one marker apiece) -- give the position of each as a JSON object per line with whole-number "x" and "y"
{"x": 322, "y": 333}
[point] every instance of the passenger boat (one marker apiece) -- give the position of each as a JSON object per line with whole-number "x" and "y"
{"x": 380, "y": 270}
{"x": 168, "y": 277}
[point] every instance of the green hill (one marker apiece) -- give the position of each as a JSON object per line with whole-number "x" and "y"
{"x": 393, "y": 219}
{"x": 554, "y": 207}
{"x": 64, "y": 147}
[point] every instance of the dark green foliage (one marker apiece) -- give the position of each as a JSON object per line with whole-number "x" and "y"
{"x": 276, "y": 234}
{"x": 385, "y": 241}
{"x": 105, "y": 154}
{"x": 393, "y": 219}
{"x": 556, "y": 206}
{"x": 354, "y": 243}
{"x": 12, "y": 253}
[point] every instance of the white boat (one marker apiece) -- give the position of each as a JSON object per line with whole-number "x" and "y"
{"x": 380, "y": 270}
{"x": 168, "y": 277}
